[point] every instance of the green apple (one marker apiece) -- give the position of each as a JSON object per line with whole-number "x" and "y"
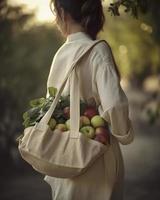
{"x": 52, "y": 123}
{"x": 61, "y": 127}
{"x": 68, "y": 124}
{"x": 97, "y": 121}
{"x": 84, "y": 121}
{"x": 88, "y": 131}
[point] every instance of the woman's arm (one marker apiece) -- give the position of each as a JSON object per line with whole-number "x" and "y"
{"x": 114, "y": 106}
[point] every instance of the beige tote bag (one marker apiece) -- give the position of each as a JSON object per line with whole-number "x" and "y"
{"x": 61, "y": 154}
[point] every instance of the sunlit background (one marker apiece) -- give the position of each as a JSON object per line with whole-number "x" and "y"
{"x": 28, "y": 42}
{"x": 40, "y": 7}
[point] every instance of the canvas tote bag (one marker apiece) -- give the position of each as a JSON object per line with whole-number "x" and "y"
{"x": 61, "y": 154}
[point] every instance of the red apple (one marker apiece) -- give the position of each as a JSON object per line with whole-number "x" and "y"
{"x": 102, "y": 130}
{"x": 90, "y": 111}
{"x": 101, "y": 138}
{"x": 66, "y": 112}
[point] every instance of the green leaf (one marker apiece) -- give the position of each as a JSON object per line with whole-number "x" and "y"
{"x": 34, "y": 112}
{"x": 39, "y": 117}
{"x": 25, "y": 115}
{"x": 37, "y": 102}
{"x": 26, "y": 122}
{"x": 46, "y": 106}
{"x": 82, "y": 107}
{"x": 52, "y": 91}
{"x": 57, "y": 113}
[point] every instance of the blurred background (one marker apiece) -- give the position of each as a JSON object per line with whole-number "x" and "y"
{"x": 28, "y": 42}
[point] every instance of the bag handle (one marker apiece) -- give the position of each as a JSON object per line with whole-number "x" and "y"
{"x": 45, "y": 119}
{"x": 74, "y": 105}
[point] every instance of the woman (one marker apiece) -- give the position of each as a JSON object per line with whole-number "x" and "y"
{"x": 79, "y": 22}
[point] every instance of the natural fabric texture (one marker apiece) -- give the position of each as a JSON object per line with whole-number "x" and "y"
{"x": 99, "y": 85}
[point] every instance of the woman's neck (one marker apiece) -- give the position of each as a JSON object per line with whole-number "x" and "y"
{"x": 74, "y": 28}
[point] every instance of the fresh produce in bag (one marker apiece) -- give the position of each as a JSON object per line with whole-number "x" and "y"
{"x": 92, "y": 125}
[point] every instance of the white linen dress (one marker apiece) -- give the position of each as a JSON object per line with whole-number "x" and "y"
{"x": 99, "y": 84}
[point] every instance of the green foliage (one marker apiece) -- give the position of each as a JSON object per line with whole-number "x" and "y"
{"x": 37, "y": 102}
{"x": 41, "y": 105}
{"x": 133, "y": 7}
{"x": 52, "y": 91}
{"x": 135, "y": 49}
{"x": 26, "y": 55}
{"x": 38, "y": 108}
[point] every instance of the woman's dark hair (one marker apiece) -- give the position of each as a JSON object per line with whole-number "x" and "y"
{"x": 89, "y": 13}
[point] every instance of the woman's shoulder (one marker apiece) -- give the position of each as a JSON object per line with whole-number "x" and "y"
{"x": 102, "y": 50}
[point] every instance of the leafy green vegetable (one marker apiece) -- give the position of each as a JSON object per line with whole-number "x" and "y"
{"x": 39, "y": 106}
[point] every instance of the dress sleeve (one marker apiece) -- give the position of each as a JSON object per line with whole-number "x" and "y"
{"x": 114, "y": 106}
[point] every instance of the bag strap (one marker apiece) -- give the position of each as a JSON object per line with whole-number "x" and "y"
{"x": 45, "y": 119}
